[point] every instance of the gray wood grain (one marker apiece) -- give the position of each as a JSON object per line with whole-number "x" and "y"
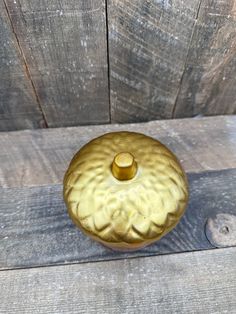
{"x": 64, "y": 43}
{"x": 41, "y": 157}
{"x": 196, "y": 282}
{"x": 35, "y": 229}
{"x": 19, "y": 108}
{"x": 148, "y": 46}
{"x": 208, "y": 85}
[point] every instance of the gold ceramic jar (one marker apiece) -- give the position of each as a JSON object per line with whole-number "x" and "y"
{"x": 125, "y": 190}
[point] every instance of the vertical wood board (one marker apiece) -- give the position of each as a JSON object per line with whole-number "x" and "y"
{"x": 148, "y": 46}
{"x": 209, "y": 80}
{"x": 65, "y": 47}
{"x": 19, "y": 108}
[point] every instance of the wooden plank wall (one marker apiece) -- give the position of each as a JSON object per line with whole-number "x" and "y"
{"x": 66, "y": 63}
{"x": 148, "y": 47}
{"x": 19, "y": 107}
{"x": 171, "y": 58}
{"x": 65, "y": 49}
{"x": 209, "y": 80}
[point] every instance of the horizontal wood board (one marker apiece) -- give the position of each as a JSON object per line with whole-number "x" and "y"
{"x": 196, "y": 282}
{"x": 35, "y": 229}
{"x": 41, "y": 157}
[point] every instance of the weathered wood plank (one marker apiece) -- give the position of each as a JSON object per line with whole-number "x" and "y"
{"x": 65, "y": 47}
{"x": 208, "y": 85}
{"x": 148, "y": 46}
{"x": 40, "y": 157}
{"x": 19, "y": 108}
{"x": 196, "y": 282}
{"x": 35, "y": 229}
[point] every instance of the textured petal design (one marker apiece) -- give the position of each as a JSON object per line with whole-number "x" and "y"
{"x": 132, "y": 213}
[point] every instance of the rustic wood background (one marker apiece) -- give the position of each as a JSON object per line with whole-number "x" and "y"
{"x": 47, "y": 266}
{"x": 65, "y": 63}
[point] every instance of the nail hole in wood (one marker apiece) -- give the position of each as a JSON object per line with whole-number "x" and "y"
{"x": 224, "y": 230}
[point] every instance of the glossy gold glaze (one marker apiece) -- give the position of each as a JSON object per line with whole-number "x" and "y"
{"x": 125, "y": 190}
{"x": 124, "y": 166}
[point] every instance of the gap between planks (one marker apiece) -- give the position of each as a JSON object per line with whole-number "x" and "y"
{"x": 120, "y": 258}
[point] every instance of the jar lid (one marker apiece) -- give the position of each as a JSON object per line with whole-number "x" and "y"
{"x": 125, "y": 190}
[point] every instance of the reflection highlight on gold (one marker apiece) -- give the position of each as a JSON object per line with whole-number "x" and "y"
{"x": 125, "y": 190}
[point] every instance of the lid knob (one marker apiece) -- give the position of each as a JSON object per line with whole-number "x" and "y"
{"x": 124, "y": 167}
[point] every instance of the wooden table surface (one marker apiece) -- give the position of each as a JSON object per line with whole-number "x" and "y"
{"x": 48, "y": 266}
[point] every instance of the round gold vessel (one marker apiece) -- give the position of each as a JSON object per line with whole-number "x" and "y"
{"x": 125, "y": 190}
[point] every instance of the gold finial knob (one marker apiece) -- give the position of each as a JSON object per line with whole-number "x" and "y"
{"x": 124, "y": 167}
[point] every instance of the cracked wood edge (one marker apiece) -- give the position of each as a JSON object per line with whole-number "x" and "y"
{"x": 148, "y": 47}
{"x": 208, "y": 84}
{"x": 27, "y": 70}
{"x": 187, "y": 56}
{"x": 65, "y": 50}
{"x": 19, "y": 108}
